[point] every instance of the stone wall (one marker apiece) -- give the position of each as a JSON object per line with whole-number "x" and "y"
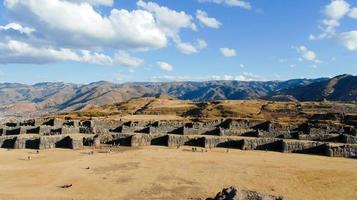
{"x": 321, "y": 137}
{"x": 27, "y": 142}
{"x": 313, "y": 137}
{"x": 347, "y": 151}
{"x": 226, "y": 142}
{"x": 307, "y": 147}
{"x": 237, "y": 132}
{"x": 60, "y": 141}
{"x": 200, "y": 131}
{"x": 7, "y": 141}
{"x": 180, "y": 140}
{"x": 271, "y": 144}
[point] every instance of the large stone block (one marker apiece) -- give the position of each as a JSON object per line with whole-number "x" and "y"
{"x": 238, "y": 132}
{"x": 226, "y": 142}
{"x": 271, "y": 144}
{"x": 180, "y": 140}
{"x": 308, "y": 147}
{"x": 147, "y": 140}
{"x": 177, "y": 140}
{"x": 44, "y": 130}
{"x": 200, "y": 131}
{"x": 57, "y": 141}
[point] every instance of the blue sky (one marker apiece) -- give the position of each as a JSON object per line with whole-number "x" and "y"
{"x": 83, "y": 41}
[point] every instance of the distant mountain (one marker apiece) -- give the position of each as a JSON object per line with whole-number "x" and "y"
{"x": 339, "y": 88}
{"x": 26, "y": 100}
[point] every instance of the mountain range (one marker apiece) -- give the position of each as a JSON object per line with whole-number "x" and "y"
{"x": 26, "y": 100}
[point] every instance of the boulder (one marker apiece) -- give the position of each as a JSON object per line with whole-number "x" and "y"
{"x": 232, "y": 193}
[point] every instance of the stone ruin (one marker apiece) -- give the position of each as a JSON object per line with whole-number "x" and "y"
{"x": 317, "y": 136}
{"x": 46, "y": 134}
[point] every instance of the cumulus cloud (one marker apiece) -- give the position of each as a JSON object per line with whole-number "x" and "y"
{"x": 96, "y": 58}
{"x": 80, "y": 25}
{"x": 337, "y": 9}
{"x": 203, "y": 17}
{"x": 125, "y": 59}
{"x": 188, "y": 48}
{"x": 164, "y": 66}
{"x": 349, "y": 40}
{"x": 227, "y": 52}
{"x": 308, "y": 55}
{"x": 76, "y": 28}
{"x": 170, "y": 21}
{"x": 19, "y": 52}
{"x": 232, "y": 3}
{"x": 334, "y": 12}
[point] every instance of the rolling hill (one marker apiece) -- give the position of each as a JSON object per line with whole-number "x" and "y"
{"x": 42, "y": 98}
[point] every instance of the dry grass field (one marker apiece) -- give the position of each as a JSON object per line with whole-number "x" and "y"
{"x": 168, "y": 108}
{"x": 164, "y": 173}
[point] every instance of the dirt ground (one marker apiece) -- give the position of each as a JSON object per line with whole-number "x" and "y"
{"x": 164, "y": 173}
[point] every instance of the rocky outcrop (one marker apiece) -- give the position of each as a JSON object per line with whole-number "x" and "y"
{"x": 233, "y": 193}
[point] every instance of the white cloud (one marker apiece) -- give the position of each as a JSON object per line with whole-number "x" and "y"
{"x": 242, "y": 65}
{"x": 349, "y": 40}
{"x": 17, "y": 27}
{"x": 170, "y": 21}
{"x": 337, "y": 9}
{"x": 206, "y": 20}
{"x": 188, "y": 48}
{"x": 237, "y": 3}
{"x": 334, "y": 12}
{"x": 14, "y": 51}
{"x": 96, "y": 2}
{"x": 308, "y": 55}
{"x": 164, "y": 66}
{"x": 227, "y": 52}
{"x": 245, "y": 76}
{"x": 353, "y": 13}
{"x": 80, "y": 25}
{"x": 96, "y": 58}
{"x": 201, "y": 44}
{"x": 124, "y": 59}
{"x": 19, "y": 52}
{"x": 77, "y": 27}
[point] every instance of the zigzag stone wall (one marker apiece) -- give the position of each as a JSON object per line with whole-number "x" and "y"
{"x": 313, "y": 137}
